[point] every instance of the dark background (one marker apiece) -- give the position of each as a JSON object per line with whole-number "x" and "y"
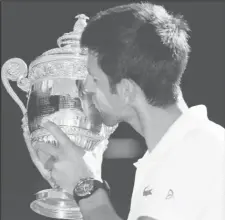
{"x": 29, "y": 29}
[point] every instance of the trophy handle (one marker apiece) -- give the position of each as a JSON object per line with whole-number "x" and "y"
{"x": 15, "y": 69}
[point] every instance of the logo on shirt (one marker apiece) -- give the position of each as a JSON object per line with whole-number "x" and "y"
{"x": 147, "y": 191}
{"x": 170, "y": 194}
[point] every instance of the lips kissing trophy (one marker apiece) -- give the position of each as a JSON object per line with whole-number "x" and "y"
{"x": 53, "y": 83}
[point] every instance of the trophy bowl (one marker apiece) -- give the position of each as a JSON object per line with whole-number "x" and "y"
{"x": 54, "y": 86}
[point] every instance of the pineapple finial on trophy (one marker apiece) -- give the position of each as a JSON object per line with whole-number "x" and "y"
{"x": 81, "y": 23}
{"x": 71, "y": 40}
{"x": 68, "y": 60}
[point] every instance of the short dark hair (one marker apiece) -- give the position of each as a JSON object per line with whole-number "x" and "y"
{"x": 144, "y": 43}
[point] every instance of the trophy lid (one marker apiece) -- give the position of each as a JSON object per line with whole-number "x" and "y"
{"x": 68, "y": 60}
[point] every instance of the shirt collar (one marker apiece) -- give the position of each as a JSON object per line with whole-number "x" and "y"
{"x": 187, "y": 121}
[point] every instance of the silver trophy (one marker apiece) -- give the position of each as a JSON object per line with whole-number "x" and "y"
{"x": 54, "y": 86}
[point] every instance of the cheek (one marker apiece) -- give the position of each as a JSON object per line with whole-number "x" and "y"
{"x": 103, "y": 100}
{"x": 108, "y": 103}
{"x": 117, "y": 106}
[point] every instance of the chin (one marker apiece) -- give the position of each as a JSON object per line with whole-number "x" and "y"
{"x": 109, "y": 121}
{"x": 110, "y": 124}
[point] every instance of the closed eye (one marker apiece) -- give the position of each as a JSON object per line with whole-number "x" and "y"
{"x": 146, "y": 218}
{"x": 95, "y": 80}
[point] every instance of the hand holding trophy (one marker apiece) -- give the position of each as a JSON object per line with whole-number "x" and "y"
{"x": 71, "y": 163}
{"x": 53, "y": 83}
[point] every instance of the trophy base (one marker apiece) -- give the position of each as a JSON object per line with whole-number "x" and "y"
{"x": 56, "y": 203}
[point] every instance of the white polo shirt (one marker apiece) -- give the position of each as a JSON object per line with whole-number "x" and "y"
{"x": 183, "y": 177}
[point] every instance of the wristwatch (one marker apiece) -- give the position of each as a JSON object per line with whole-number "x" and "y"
{"x": 87, "y": 186}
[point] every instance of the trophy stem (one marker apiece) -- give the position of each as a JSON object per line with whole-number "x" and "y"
{"x": 56, "y": 203}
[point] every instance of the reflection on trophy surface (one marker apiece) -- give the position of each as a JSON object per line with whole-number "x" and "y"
{"x": 53, "y": 83}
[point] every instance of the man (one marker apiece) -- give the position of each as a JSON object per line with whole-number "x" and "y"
{"x": 137, "y": 55}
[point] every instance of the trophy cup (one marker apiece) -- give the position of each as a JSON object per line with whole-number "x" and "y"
{"x": 53, "y": 83}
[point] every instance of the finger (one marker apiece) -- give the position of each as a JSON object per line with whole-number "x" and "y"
{"x": 55, "y": 176}
{"x": 59, "y": 177}
{"x": 49, "y": 164}
{"x": 43, "y": 157}
{"x": 47, "y": 149}
{"x": 64, "y": 141}
{"x": 59, "y": 135}
{"x": 63, "y": 180}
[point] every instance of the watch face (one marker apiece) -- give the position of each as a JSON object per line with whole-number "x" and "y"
{"x": 84, "y": 187}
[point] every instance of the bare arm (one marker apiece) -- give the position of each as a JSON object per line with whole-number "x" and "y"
{"x": 98, "y": 207}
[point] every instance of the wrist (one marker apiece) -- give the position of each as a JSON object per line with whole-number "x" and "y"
{"x": 98, "y": 199}
{"x": 98, "y": 206}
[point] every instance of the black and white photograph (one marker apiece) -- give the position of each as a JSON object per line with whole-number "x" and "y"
{"x": 113, "y": 110}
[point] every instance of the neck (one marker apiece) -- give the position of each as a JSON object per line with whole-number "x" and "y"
{"x": 153, "y": 122}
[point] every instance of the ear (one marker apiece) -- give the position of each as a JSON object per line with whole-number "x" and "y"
{"x": 126, "y": 90}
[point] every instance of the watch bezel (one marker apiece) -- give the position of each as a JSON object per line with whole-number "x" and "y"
{"x": 80, "y": 192}
{"x": 84, "y": 187}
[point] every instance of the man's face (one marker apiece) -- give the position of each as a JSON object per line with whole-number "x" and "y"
{"x": 109, "y": 104}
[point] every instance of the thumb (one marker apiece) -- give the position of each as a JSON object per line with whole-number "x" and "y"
{"x": 47, "y": 149}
